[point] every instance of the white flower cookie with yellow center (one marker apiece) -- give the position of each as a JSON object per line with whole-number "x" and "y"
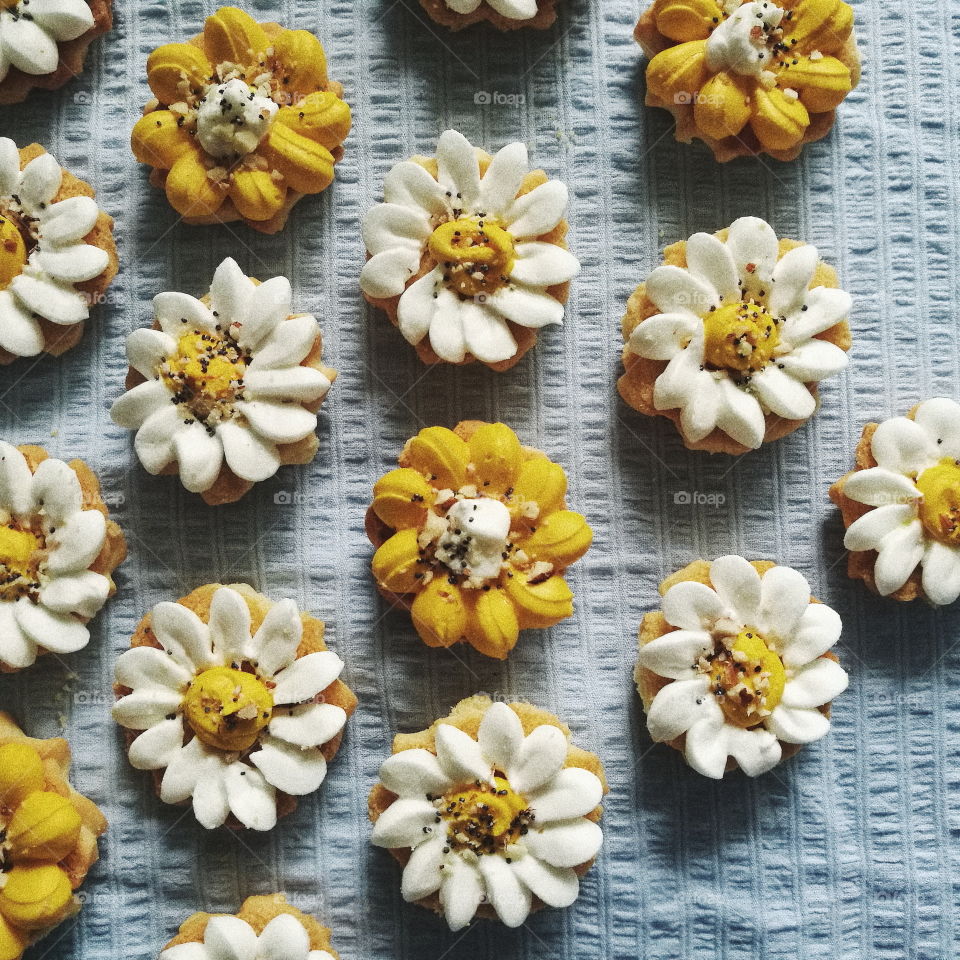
{"x": 735, "y": 669}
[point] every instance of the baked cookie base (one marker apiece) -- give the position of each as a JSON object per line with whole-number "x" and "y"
{"x": 636, "y": 385}
{"x": 466, "y": 716}
{"x": 312, "y": 641}
{"x": 745, "y": 144}
{"x": 16, "y": 86}
{"x": 526, "y": 337}
{"x": 654, "y": 624}
{"x": 57, "y": 339}
{"x": 439, "y": 12}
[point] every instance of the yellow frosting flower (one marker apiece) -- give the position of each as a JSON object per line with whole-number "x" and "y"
{"x": 244, "y": 121}
{"x": 473, "y": 535}
{"x": 765, "y": 73}
{"x": 48, "y": 838}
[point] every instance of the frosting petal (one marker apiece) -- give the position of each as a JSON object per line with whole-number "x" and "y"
{"x": 515, "y": 9}
{"x": 500, "y": 736}
{"x": 678, "y": 705}
{"x": 77, "y": 542}
{"x": 293, "y": 383}
{"x": 284, "y": 938}
{"x": 82, "y": 594}
{"x": 385, "y": 274}
{"x": 782, "y": 394}
{"x": 940, "y": 417}
{"x": 230, "y": 938}
{"x": 423, "y": 873}
{"x": 16, "y": 482}
{"x": 309, "y": 725}
{"x": 183, "y": 635}
{"x": 543, "y": 264}
{"x": 178, "y": 313}
{"x": 941, "y": 573}
{"x": 699, "y": 416}
{"x": 897, "y": 557}
{"x": 133, "y": 408}
{"x": 270, "y": 303}
{"x": 74, "y": 262}
{"x": 156, "y": 747}
{"x": 868, "y": 532}
{"x": 20, "y": 333}
{"x": 415, "y": 772}
{"x": 813, "y": 361}
{"x": 402, "y": 823}
{"x": 458, "y": 169}
{"x": 815, "y": 683}
{"x": 154, "y": 440}
{"x": 17, "y": 650}
{"x": 825, "y": 308}
{"x": 710, "y": 260}
{"x": 460, "y": 755}
{"x": 306, "y": 677}
{"x": 145, "y": 708}
{"x": 752, "y": 241}
{"x": 797, "y": 725}
{"x": 211, "y": 806}
{"x": 229, "y": 625}
{"x": 539, "y": 760}
{"x": 390, "y": 226}
{"x": 290, "y": 343}
{"x": 277, "y": 422}
{"x": 791, "y": 278}
{"x": 446, "y": 328}
{"x": 528, "y": 308}
{"x": 183, "y": 771}
{"x": 231, "y": 292}
{"x": 485, "y": 333}
{"x": 274, "y": 646}
{"x": 555, "y": 886}
{"x": 40, "y": 179}
{"x": 740, "y": 415}
{"x": 902, "y": 446}
{"x": 817, "y": 630}
{"x": 692, "y": 606}
{"x": 878, "y": 487}
{"x": 289, "y": 768}
{"x": 460, "y": 893}
{"x": 707, "y": 747}
{"x": 146, "y": 350}
{"x": 250, "y": 457}
{"x": 675, "y": 654}
{"x": 147, "y": 668}
{"x": 756, "y": 751}
{"x": 539, "y": 211}
{"x": 663, "y": 335}
{"x": 62, "y": 19}
{"x": 420, "y": 302}
{"x": 674, "y": 386}
{"x": 410, "y": 185}
{"x": 509, "y": 897}
{"x": 9, "y": 165}
{"x": 53, "y": 631}
{"x": 675, "y": 290}
{"x": 573, "y": 792}
{"x": 567, "y": 843}
{"x": 784, "y": 597}
{"x": 502, "y": 180}
{"x": 69, "y": 220}
{"x": 252, "y": 799}
{"x": 199, "y": 455}
{"x": 57, "y": 302}
{"x": 56, "y": 487}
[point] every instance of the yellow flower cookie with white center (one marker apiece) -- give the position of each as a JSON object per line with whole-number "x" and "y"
{"x": 901, "y": 505}
{"x": 58, "y": 553}
{"x": 225, "y": 390}
{"x": 244, "y": 122}
{"x": 502, "y": 14}
{"x": 48, "y": 838}
{"x": 234, "y": 702}
{"x": 491, "y": 812}
{"x": 44, "y": 45}
{"x": 57, "y": 253}
{"x": 735, "y": 669}
{"x": 474, "y": 537}
{"x": 263, "y": 927}
{"x": 750, "y": 76}
{"x": 732, "y": 335}
{"x": 467, "y": 254}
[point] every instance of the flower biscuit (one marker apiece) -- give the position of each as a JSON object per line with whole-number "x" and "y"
{"x": 502, "y": 14}
{"x": 735, "y": 669}
{"x": 491, "y": 812}
{"x": 234, "y": 702}
{"x": 474, "y": 537}
{"x": 244, "y": 122}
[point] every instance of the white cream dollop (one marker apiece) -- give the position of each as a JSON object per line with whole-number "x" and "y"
{"x": 476, "y": 537}
{"x": 741, "y": 43}
{"x": 233, "y": 118}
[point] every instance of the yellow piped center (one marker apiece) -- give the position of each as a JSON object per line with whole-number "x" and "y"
{"x": 476, "y": 255}
{"x": 739, "y": 336}
{"x": 940, "y": 502}
{"x": 20, "y": 555}
{"x": 747, "y": 679}
{"x": 206, "y": 374}
{"x": 227, "y": 708}
{"x": 485, "y": 818}
{"x": 13, "y": 251}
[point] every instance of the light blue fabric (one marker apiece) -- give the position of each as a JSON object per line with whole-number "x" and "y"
{"x": 848, "y": 851}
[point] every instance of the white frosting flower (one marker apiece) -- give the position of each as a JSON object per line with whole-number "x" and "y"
{"x": 42, "y": 253}
{"x": 489, "y": 266}
{"x": 231, "y": 718}
{"x": 48, "y": 540}
{"x": 224, "y": 383}
{"x": 31, "y": 29}
{"x": 233, "y": 118}
{"x": 747, "y": 665}
{"x": 744, "y": 41}
{"x": 230, "y": 938}
{"x": 498, "y": 819}
{"x": 739, "y": 330}
{"x": 915, "y": 493}
{"x": 511, "y": 9}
